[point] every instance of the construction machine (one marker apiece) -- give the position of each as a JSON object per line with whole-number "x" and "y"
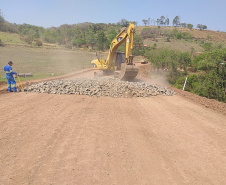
{"x": 117, "y": 63}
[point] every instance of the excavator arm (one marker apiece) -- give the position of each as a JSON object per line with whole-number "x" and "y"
{"x": 128, "y": 69}
{"x": 126, "y": 35}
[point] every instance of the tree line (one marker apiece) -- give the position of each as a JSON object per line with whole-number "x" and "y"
{"x": 164, "y": 21}
{"x": 97, "y": 36}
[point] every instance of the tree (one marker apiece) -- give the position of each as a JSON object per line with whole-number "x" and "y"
{"x": 158, "y": 22}
{"x": 176, "y": 21}
{"x": 190, "y": 26}
{"x": 135, "y": 23}
{"x": 167, "y": 21}
{"x": 138, "y": 43}
{"x": 201, "y": 27}
{"x": 149, "y": 21}
{"x": 204, "y": 27}
{"x": 153, "y": 21}
{"x": 91, "y": 37}
{"x": 78, "y": 42}
{"x": 162, "y": 20}
{"x": 123, "y": 23}
{"x": 101, "y": 40}
{"x": 110, "y": 36}
{"x": 145, "y": 21}
{"x": 183, "y": 25}
{"x": 2, "y": 20}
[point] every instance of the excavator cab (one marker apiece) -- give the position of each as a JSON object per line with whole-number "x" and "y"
{"x": 120, "y": 58}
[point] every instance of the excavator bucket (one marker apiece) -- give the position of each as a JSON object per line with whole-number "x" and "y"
{"x": 127, "y": 73}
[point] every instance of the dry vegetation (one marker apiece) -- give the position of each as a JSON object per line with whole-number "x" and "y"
{"x": 206, "y": 35}
{"x": 180, "y": 45}
{"x": 215, "y": 36}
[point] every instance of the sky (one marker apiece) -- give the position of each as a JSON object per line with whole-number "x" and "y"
{"x": 48, "y": 13}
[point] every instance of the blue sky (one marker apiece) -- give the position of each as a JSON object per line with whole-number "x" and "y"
{"x": 48, "y": 13}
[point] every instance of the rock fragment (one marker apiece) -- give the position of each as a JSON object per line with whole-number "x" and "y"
{"x": 103, "y": 86}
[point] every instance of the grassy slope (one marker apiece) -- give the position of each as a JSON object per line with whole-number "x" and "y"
{"x": 182, "y": 45}
{"x": 11, "y": 39}
{"x": 43, "y": 62}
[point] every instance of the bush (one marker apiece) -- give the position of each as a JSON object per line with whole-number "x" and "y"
{"x": 150, "y": 33}
{"x": 78, "y": 42}
{"x": 180, "y": 82}
{"x": 208, "y": 46}
{"x": 68, "y": 46}
{"x": 1, "y": 43}
{"x": 27, "y": 39}
{"x": 39, "y": 42}
{"x": 186, "y": 35}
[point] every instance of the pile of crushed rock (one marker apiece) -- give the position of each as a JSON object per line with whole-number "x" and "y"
{"x": 103, "y": 86}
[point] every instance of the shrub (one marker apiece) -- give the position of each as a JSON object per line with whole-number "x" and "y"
{"x": 68, "y": 46}
{"x": 180, "y": 83}
{"x": 39, "y": 42}
{"x": 208, "y": 46}
{"x": 78, "y": 42}
{"x": 150, "y": 33}
{"x": 1, "y": 43}
{"x": 186, "y": 35}
{"x": 27, "y": 39}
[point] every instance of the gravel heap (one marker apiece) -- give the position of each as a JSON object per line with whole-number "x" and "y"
{"x": 103, "y": 86}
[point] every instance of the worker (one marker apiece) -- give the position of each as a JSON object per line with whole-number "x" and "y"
{"x": 9, "y": 76}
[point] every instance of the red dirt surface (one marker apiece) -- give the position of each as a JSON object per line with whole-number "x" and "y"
{"x": 72, "y": 139}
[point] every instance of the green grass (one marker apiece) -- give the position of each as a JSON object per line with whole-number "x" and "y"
{"x": 11, "y": 38}
{"x": 42, "y": 62}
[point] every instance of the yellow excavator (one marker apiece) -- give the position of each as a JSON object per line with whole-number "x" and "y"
{"x": 121, "y": 64}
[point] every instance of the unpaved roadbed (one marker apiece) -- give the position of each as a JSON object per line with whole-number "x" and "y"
{"x": 61, "y": 139}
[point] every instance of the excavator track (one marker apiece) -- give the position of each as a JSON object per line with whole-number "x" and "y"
{"x": 127, "y": 73}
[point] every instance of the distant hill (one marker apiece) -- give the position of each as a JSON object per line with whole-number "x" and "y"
{"x": 86, "y": 35}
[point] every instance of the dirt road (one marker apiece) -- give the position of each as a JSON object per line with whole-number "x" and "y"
{"x": 72, "y": 139}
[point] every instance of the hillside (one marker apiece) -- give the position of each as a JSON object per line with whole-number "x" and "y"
{"x": 196, "y": 38}
{"x": 218, "y": 37}
{"x": 183, "y": 45}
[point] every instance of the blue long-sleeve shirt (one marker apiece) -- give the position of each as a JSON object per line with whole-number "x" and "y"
{"x": 8, "y": 70}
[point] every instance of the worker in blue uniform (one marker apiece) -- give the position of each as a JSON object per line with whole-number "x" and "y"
{"x": 9, "y": 76}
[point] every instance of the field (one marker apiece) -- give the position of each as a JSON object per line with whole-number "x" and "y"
{"x": 42, "y": 62}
